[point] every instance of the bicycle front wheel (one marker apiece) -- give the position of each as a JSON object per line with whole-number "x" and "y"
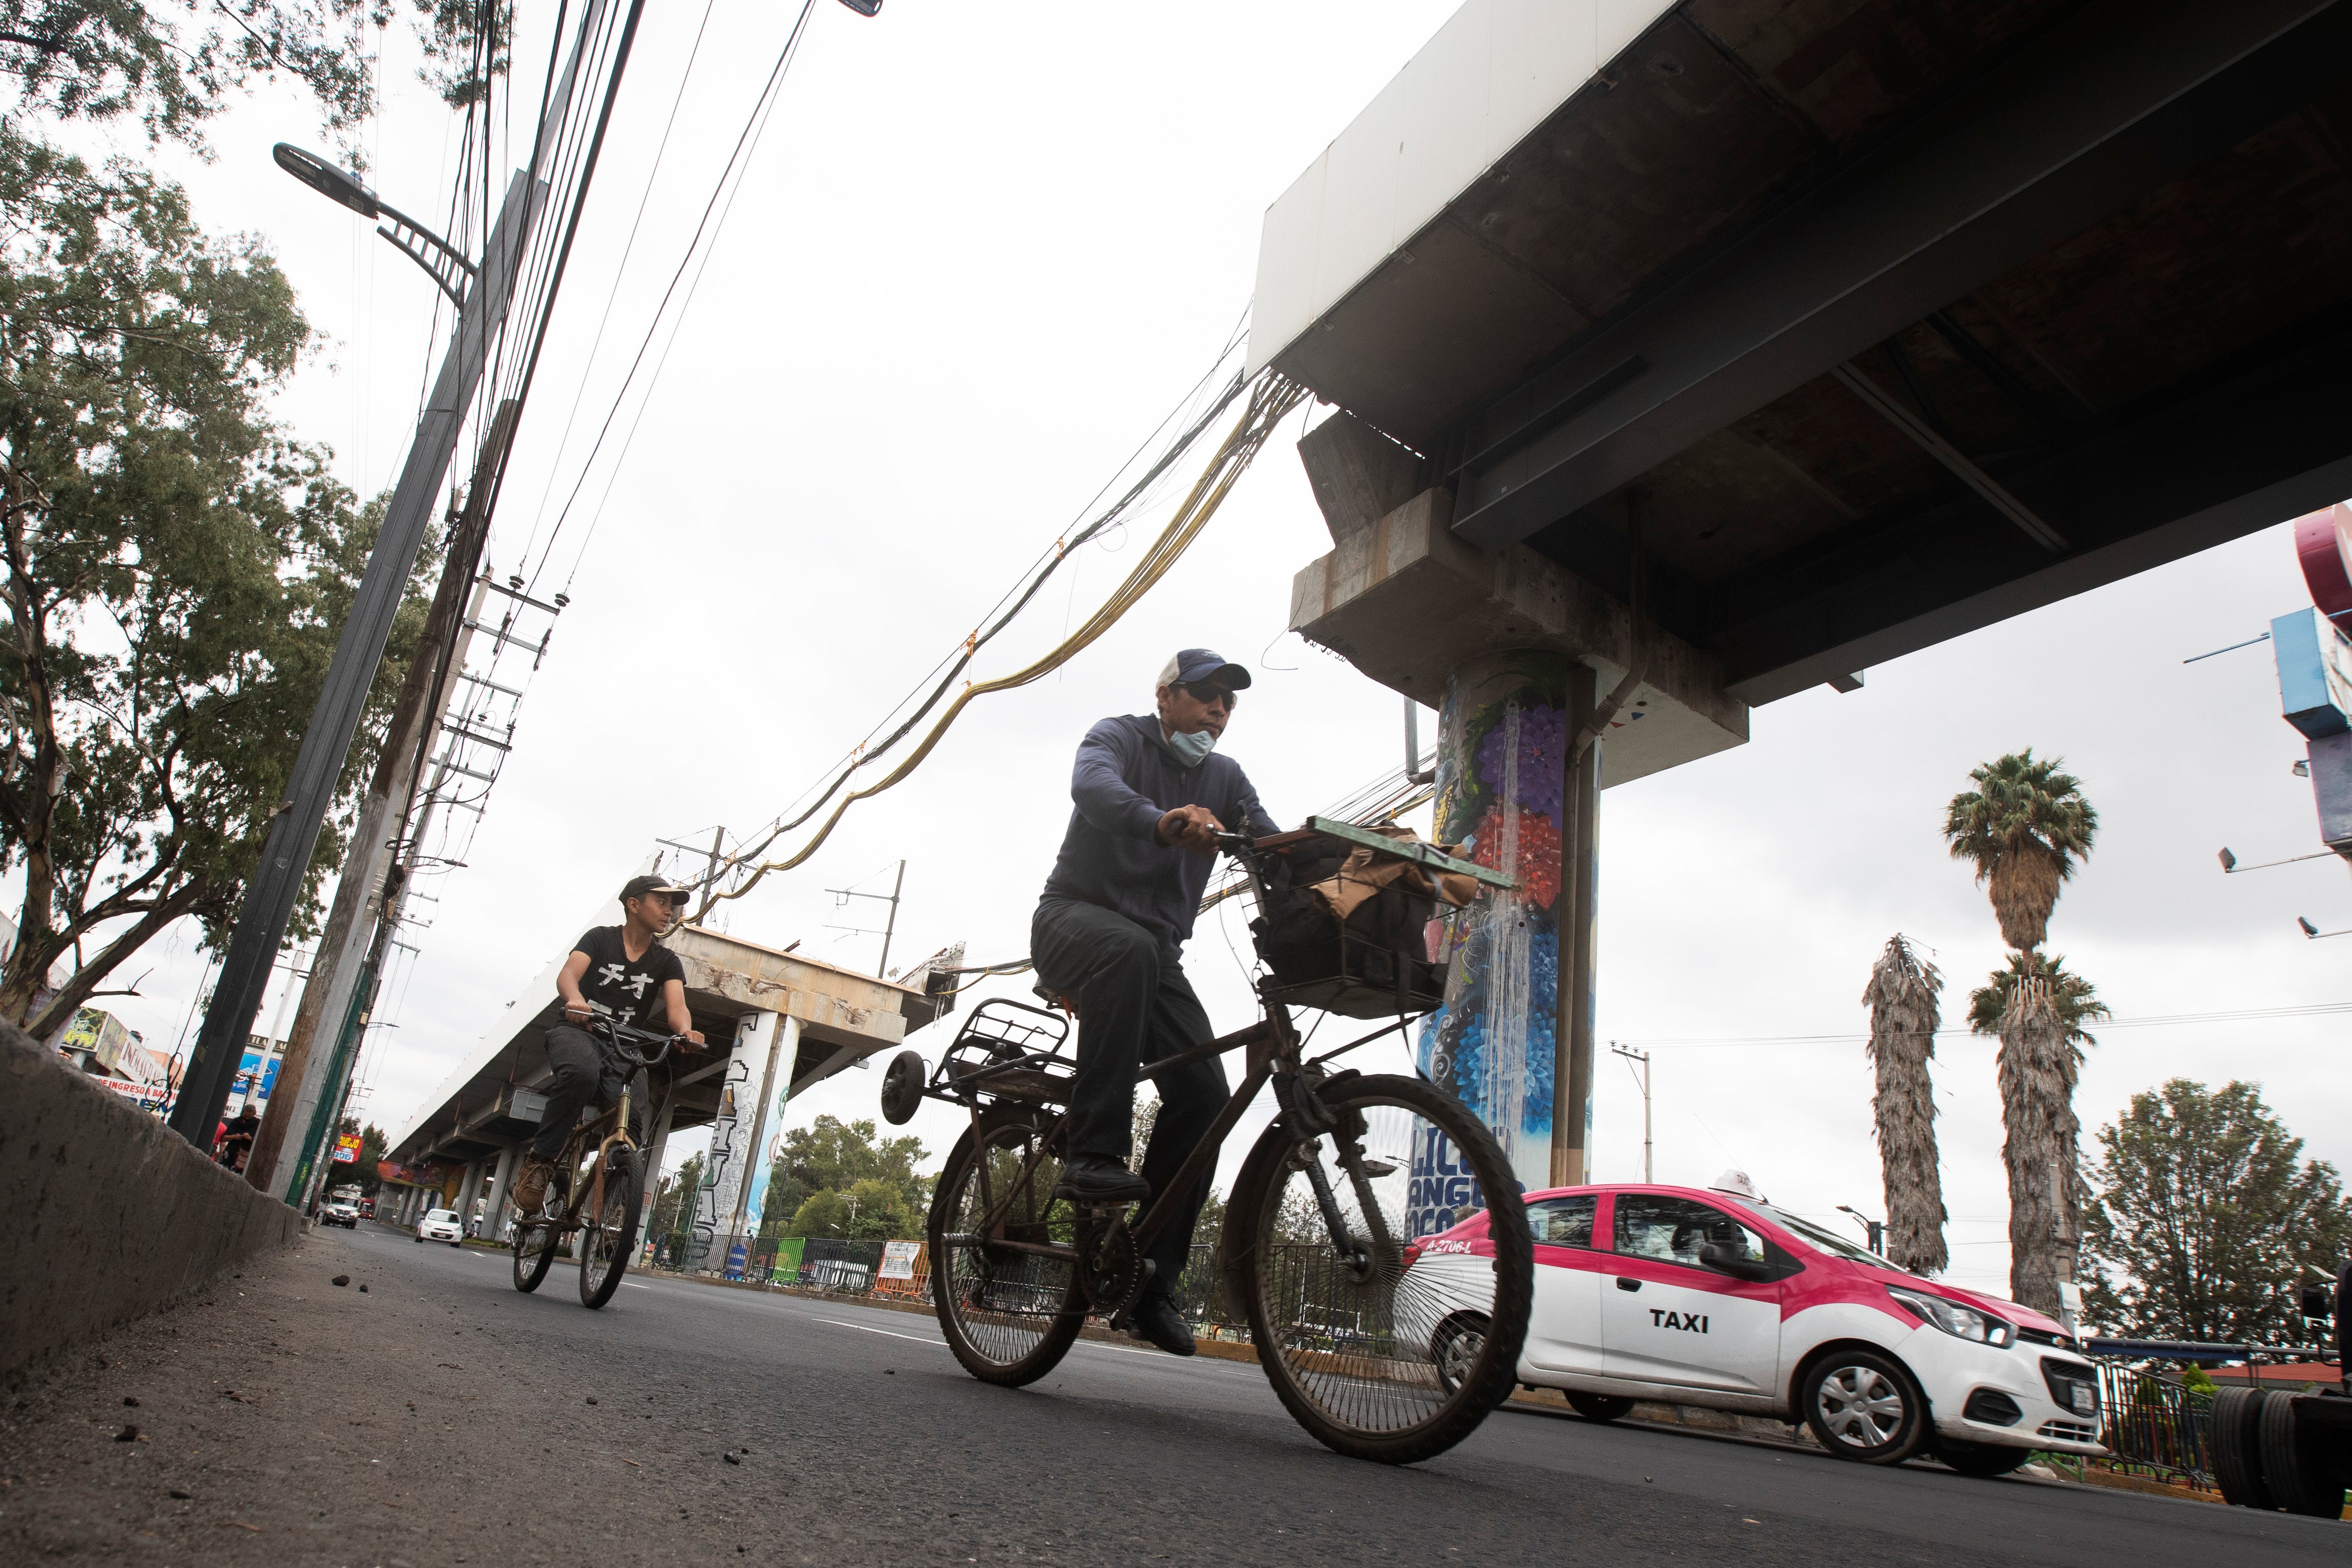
{"x": 535, "y": 1253}
{"x": 1009, "y": 1312}
{"x": 611, "y": 1230}
{"x": 1378, "y": 1352}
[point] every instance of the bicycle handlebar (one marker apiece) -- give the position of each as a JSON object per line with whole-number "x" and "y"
{"x": 626, "y": 1041}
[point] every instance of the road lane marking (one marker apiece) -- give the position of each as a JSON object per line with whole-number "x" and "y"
{"x": 861, "y": 1328}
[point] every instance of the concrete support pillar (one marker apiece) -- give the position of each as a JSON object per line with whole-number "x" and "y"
{"x": 1580, "y": 881}
{"x": 657, "y": 1150}
{"x": 1504, "y": 730}
{"x": 743, "y": 1095}
{"x": 469, "y": 1187}
{"x": 769, "y": 1138}
{"x": 509, "y": 1157}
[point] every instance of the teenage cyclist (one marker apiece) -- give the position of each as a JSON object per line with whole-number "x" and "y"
{"x": 620, "y": 972}
{"x": 1152, "y": 796}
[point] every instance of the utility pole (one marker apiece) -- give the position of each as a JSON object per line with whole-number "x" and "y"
{"x": 1642, "y": 1077}
{"x": 841, "y": 895}
{"x": 482, "y": 294}
{"x": 416, "y": 717}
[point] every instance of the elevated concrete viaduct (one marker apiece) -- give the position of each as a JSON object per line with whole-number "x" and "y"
{"x": 1699, "y": 353}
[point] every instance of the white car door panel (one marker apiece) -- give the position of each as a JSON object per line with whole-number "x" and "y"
{"x": 1667, "y": 1318}
{"x": 1564, "y": 1326}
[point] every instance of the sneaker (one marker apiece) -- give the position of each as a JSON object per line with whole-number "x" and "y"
{"x": 1156, "y": 1321}
{"x": 531, "y": 1187}
{"x": 1088, "y": 1178}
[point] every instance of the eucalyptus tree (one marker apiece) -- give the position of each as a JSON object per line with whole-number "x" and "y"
{"x": 177, "y": 567}
{"x": 2208, "y": 1217}
{"x": 1902, "y": 998}
{"x": 114, "y": 59}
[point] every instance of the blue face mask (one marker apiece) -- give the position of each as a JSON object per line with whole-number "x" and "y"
{"x": 1192, "y": 750}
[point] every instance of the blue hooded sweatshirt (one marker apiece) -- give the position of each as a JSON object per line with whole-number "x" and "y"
{"x": 1125, "y": 780}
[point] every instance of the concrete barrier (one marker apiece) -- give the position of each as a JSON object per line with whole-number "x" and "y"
{"x": 105, "y": 1213}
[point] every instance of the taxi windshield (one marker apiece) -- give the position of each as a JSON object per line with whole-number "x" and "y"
{"x": 1834, "y": 1245}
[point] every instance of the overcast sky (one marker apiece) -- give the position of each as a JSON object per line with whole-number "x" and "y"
{"x": 980, "y": 253}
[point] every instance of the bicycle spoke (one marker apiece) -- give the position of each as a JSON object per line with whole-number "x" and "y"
{"x": 1372, "y": 1347}
{"x": 1003, "y": 1298}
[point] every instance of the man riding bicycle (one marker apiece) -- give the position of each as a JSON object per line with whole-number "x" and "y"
{"x": 1152, "y": 796}
{"x": 618, "y": 972}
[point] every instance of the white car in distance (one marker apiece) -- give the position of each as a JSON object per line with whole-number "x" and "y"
{"x": 441, "y": 1225}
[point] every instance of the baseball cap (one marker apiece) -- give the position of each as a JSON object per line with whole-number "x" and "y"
{"x": 1202, "y": 664}
{"x": 638, "y": 886}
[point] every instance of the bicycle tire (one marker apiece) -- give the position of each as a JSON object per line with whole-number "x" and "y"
{"x": 1369, "y": 1388}
{"x": 534, "y": 1254}
{"x": 1009, "y": 1317}
{"x": 611, "y": 1233}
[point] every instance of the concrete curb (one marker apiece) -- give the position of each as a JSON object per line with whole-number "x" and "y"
{"x": 109, "y": 1214}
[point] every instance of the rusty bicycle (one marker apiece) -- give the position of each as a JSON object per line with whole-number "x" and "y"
{"x": 1323, "y": 1241}
{"x": 602, "y": 1209}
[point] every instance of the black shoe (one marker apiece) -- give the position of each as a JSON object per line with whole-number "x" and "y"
{"x": 1156, "y": 1320}
{"x": 1090, "y": 1179}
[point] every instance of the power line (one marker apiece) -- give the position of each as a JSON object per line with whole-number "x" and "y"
{"x": 755, "y": 119}
{"x": 1271, "y": 399}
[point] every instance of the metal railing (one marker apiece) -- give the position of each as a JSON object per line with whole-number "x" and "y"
{"x": 2156, "y": 1424}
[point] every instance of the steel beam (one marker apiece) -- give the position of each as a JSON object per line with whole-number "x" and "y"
{"x": 2104, "y": 107}
{"x": 2238, "y": 454}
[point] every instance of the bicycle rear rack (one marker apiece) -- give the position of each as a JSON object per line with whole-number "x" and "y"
{"x": 1006, "y": 1050}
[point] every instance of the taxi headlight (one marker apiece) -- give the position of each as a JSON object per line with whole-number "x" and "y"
{"x": 1961, "y": 1322}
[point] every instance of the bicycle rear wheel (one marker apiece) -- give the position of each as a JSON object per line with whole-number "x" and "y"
{"x": 611, "y": 1230}
{"x": 1009, "y": 1315}
{"x": 1379, "y": 1356}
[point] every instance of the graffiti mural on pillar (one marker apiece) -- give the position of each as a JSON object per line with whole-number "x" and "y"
{"x": 1502, "y": 744}
{"x": 721, "y": 1172}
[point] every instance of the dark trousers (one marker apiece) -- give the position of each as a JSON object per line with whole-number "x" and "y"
{"x": 1135, "y": 1006}
{"x": 584, "y": 1075}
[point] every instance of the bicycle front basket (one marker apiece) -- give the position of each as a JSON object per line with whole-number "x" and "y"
{"x": 1345, "y": 930}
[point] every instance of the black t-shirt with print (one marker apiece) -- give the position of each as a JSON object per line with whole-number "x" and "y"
{"x": 624, "y": 990}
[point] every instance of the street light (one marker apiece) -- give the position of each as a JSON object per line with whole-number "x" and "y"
{"x": 1875, "y": 1230}
{"x": 2230, "y": 862}
{"x": 440, "y": 259}
{"x": 2312, "y": 933}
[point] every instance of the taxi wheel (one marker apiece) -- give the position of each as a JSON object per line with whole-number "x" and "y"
{"x": 1865, "y": 1406}
{"x": 1454, "y": 1347}
{"x": 1599, "y": 1406}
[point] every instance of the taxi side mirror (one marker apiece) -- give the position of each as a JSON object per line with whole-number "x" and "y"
{"x": 1725, "y": 1258}
{"x": 2316, "y": 1302}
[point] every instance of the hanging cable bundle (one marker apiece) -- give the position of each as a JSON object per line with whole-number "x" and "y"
{"x": 1271, "y": 398}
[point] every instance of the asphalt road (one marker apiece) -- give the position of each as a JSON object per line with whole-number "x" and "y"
{"x": 441, "y": 1417}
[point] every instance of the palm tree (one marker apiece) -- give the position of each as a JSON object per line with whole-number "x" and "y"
{"x": 2024, "y": 826}
{"x": 2037, "y": 1011}
{"x": 1901, "y": 996}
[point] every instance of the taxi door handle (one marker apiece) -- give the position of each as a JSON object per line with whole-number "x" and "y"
{"x": 1625, "y": 1284}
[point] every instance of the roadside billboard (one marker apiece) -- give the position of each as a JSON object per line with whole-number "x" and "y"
{"x": 347, "y": 1148}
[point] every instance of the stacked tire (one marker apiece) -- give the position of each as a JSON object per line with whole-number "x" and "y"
{"x": 2266, "y": 1456}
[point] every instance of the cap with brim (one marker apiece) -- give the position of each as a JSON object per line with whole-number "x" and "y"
{"x": 638, "y": 886}
{"x": 1204, "y": 665}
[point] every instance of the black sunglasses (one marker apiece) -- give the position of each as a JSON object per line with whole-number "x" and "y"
{"x": 1204, "y": 692}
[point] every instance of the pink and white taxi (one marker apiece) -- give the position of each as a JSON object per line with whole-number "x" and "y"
{"x": 1713, "y": 1298}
